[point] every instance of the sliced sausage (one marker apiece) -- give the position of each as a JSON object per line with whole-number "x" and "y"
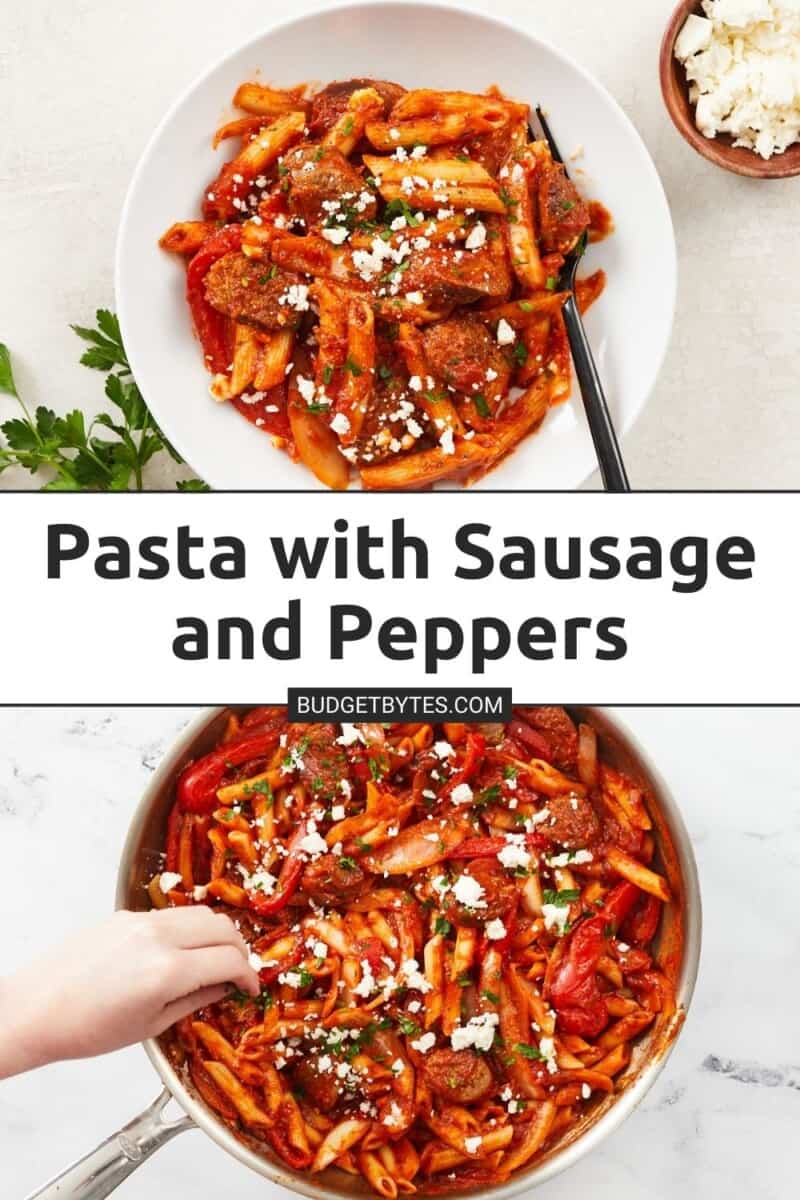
{"x": 329, "y": 104}
{"x": 318, "y": 174}
{"x": 320, "y": 1086}
{"x": 458, "y": 1075}
{"x": 499, "y": 893}
{"x": 251, "y": 292}
{"x": 563, "y": 214}
{"x": 573, "y": 823}
{"x": 446, "y": 280}
{"x": 319, "y": 762}
{"x": 327, "y": 881}
{"x": 556, "y": 725}
{"x": 461, "y": 351}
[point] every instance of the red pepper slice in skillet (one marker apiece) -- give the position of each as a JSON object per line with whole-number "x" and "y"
{"x": 473, "y": 755}
{"x": 200, "y": 781}
{"x": 288, "y": 880}
{"x": 573, "y": 991}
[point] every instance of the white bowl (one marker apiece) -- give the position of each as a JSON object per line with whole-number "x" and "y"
{"x": 415, "y": 44}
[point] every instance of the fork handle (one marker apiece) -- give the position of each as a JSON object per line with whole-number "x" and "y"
{"x": 612, "y": 468}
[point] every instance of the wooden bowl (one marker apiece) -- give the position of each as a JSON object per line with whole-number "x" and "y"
{"x": 719, "y": 150}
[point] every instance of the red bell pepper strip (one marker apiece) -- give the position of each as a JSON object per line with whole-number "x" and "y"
{"x": 288, "y": 880}
{"x": 531, "y": 739}
{"x": 174, "y": 823}
{"x": 473, "y": 756}
{"x": 210, "y": 324}
{"x": 618, "y": 903}
{"x": 574, "y": 992}
{"x": 200, "y": 781}
{"x": 640, "y": 925}
{"x": 489, "y": 847}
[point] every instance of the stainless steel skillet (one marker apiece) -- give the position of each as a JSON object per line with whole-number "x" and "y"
{"x": 101, "y": 1171}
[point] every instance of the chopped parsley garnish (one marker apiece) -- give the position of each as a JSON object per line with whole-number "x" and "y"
{"x": 327, "y": 374}
{"x": 353, "y": 367}
{"x": 520, "y": 354}
{"x": 385, "y": 372}
{"x": 568, "y": 205}
{"x": 442, "y": 925}
{"x": 489, "y": 795}
{"x": 316, "y": 407}
{"x": 509, "y": 772}
{"x": 395, "y": 271}
{"x": 464, "y": 981}
{"x": 479, "y": 400}
{"x": 491, "y": 997}
{"x": 401, "y": 208}
{"x": 349, "y": 864}
{"x": 528, "y": 1051}
{"x": 563, "y": 898}
{"x": 550, "y": 283}
{"x": 408, "y": 1027}
{"x": 347, "y": 128}
{"x": 526, "y": 306}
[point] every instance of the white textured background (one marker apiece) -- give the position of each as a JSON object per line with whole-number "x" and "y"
{"x": 722, "y": 1119}
{"x": 83, "y": 83}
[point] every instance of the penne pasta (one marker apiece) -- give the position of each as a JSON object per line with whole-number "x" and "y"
{"x": 442, "y": 994}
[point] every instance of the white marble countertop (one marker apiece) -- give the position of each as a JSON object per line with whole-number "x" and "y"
{"x": 83, "y": 84}
{"x": 720, "y": 1119}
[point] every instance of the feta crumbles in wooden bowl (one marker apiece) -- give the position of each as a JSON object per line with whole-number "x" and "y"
{"x": 730, "y": 75}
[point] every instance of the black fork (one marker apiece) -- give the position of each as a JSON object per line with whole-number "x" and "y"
{"x": 601, "y": 427}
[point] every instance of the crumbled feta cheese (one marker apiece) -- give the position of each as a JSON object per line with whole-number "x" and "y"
{"x": 570, "y": 858}
{"x": 473, "y": 1144}
{"x": 477, "y": 237}
{"x": 556, "y": 916}
{"x": 424, "y": 1043}
{"x": 340, "y": 424}
{"x": 313, "y": 843}
{"x": 296, "y": 296}
{"x": 199, "y": 892}
{"x": 169, "y": 880}
{"x": 350, "y": 735}
{"x": 514, "y": 856}
{"x": 366, "y": 985}
{"x": 443, "y": 750}
{"x": 413, "y": 977}
{"x": 461, "y": 794}
{"x": 742, "y": 62}
{"x": 505, "y": 333}
{"x": 495, "y": 930}
{"x": 337, "y": 235}
{"x": 469, "y": 892}
{"x": 547, "y": 1048}
{"x": 586, "y": 1091}
{"x": 338, "y": 812}
{"x": 446, "y": 441}
{"x": 478, "y": 1032}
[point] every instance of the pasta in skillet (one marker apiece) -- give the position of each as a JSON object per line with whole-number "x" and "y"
{"x": 374, "y": 282}
{"x": 453, "y": 929}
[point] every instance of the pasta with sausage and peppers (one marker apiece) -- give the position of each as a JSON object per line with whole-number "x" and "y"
{"x": 374, "y": 282}
{"x": 453, "y": 930}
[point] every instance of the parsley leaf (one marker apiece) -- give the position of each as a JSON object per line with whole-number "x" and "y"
{"x": 74, "y": 450}
{"x": 561, "y": 899}
{"x": 528, "y": 1051}
{"x": 442, "y": 925}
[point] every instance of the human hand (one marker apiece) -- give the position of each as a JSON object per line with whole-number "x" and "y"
{"x": 120, "y": 982}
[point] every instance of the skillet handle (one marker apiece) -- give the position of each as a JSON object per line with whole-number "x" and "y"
{"x": 98, "y": 1173}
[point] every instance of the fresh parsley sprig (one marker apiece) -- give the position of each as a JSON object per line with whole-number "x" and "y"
{"x": 78, "y": 453}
